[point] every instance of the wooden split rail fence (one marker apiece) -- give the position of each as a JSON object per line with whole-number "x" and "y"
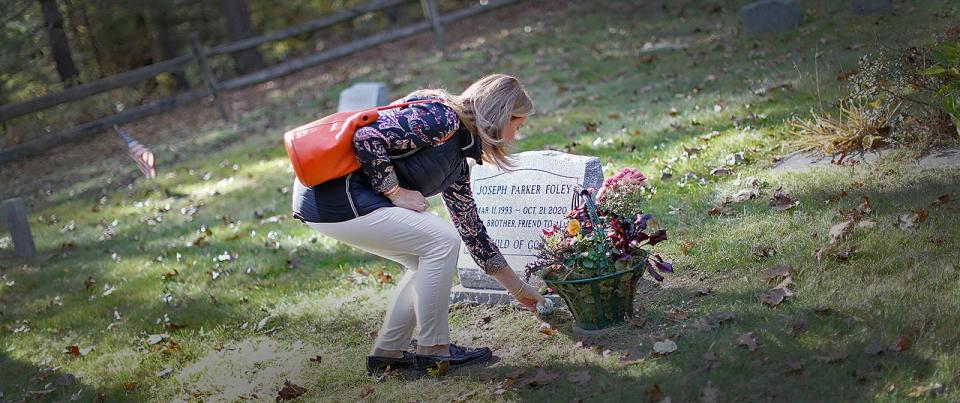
{"x": 434, "y": 21}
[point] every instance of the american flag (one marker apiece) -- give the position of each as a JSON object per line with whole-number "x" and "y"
{"x": 140, "y": 154}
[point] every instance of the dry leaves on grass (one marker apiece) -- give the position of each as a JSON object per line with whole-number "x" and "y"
{"x": 782, "y": 201}
{"x": 713, "y": 320}
{"x": 676, "y": 314}
{"x": 941, "y": 200}
{"x": 912, "y": 219}
{"x": 748, "y": 340}
{"x": 779, "y": 293}
{"x": 930, "y": 390}
{"x": 743, "y": 195}
{"x": 290, "y": 391}
{"x": 710, "y": 361}
{"x": 76, "y": 351}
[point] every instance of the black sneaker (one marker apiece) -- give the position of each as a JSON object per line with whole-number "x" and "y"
{"x": 376, "y": 365}
{"x": 459, "y": 356}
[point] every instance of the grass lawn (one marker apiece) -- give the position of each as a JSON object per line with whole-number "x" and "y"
{"x": 198, "y": 285}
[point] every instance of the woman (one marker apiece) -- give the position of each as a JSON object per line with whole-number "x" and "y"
{"x": 408, "y": 153}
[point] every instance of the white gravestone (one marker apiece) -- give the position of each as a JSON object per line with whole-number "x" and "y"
{"x": 516, "y": 206}
{"x": 362, "y": 96}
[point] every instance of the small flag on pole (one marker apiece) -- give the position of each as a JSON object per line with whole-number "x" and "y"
{"x": 140, "y": 154}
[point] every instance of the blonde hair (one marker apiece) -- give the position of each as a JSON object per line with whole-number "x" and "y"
{"x": 486, "y": 108}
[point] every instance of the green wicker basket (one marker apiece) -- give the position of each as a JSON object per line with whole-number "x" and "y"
{"x": 599, "y": 302}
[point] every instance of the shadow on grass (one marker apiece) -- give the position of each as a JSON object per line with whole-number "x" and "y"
{"x": 27, "y": 382}
{"x": 799, "y": 353}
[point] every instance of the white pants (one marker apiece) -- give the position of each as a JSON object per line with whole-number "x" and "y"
{"x": 427, "y": 245}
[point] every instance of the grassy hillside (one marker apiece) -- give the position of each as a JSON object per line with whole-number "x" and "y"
{"x": 198, "y": 285}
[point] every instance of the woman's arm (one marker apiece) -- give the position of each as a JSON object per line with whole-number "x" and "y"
{"x": 463, "y": 211}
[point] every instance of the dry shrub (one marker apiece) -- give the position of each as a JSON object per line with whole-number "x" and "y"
{"x": 858, "y": 127}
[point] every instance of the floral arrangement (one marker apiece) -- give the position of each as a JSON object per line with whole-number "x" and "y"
{"x": 605, "y": 238}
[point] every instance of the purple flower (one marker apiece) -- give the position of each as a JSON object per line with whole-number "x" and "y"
{"x": 657, "y": 237}
{"x": 662, "y": 265}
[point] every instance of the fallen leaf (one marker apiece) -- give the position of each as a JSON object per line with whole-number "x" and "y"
{"x": 655, "y": 394}
{"x": 910, "y": 220}
{"x": 743, "y": 195}
{"x": 384, "y": 278}
{"x": 130, "y": 386}
{"x": 822, "y": 309}
{"x": 290, "y": 391}
{"x": 901, "y": 344}
{"x": 637, "y": 322}
{"x": 763, "y": 251}
{"x": 171, "y": 326}
{"x": 747, "y": 340}
{"x": 717, "y": 210}
{"x": 866, "y": 224}
{"x": 721, "y": 171}
{"x": 155, "y": 338}
{"x": 774, "y": 297}
{"x": 579, "y": 377}
{"x": 549, "y": 331}
{"x": 943, "y": 199}
{"x": 776, "y": 272}
{"x": 686, "y": 246}
{"x": 933, "y": 389}
{"x": 664, "y": 347}
{"x": 713, "y": 320}
{"x": 676, "y": 314}
{"x": 840, "y": 231}
{"x": 703, "y": 291}
{"x": 318, "y": 359}
{"x": 782, "y": 201}
{"x": 846, "y": 255}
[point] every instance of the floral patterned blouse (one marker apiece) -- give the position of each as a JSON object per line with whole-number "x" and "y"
{"x": 403, "y": 130}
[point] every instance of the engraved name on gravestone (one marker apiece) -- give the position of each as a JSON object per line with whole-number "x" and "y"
{"x": 516, "y": 206}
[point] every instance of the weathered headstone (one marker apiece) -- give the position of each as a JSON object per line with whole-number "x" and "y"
{"x": 515, "y": 207}
{"x": 771, "y": 16}
{"x": 362, "y": 96}
{"x": 865, "y": 7}
{"x": 15, "y": 216}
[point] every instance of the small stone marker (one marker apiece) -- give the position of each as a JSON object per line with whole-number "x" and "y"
{"x": 770, "y": 16}
{"x": 362, "y": 96}
{"x": 515, "y": 207}
{"x": 866, "y": 7}
{"x": 15, "y": 215}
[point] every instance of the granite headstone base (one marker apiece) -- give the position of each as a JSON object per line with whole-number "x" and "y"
{"x": 459, "y": 293}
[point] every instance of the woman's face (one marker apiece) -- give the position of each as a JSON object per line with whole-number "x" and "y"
{"x": 510, "y": 131}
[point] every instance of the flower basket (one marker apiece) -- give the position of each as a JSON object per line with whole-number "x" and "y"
{"x": 595, "y": 262}
{"x": 599, "y": 302}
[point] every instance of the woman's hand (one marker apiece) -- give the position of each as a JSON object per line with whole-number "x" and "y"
{"x": 529, "y": 297}
{"x": 409, "y": 199}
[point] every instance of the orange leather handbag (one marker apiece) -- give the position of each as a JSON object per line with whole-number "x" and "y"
{"x": 323, "y": 149}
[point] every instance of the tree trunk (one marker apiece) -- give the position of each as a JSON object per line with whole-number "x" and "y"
{"x": 167, "y": 38}
{"x": 237, "y": 19}
{"x": 59, "y": 47}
